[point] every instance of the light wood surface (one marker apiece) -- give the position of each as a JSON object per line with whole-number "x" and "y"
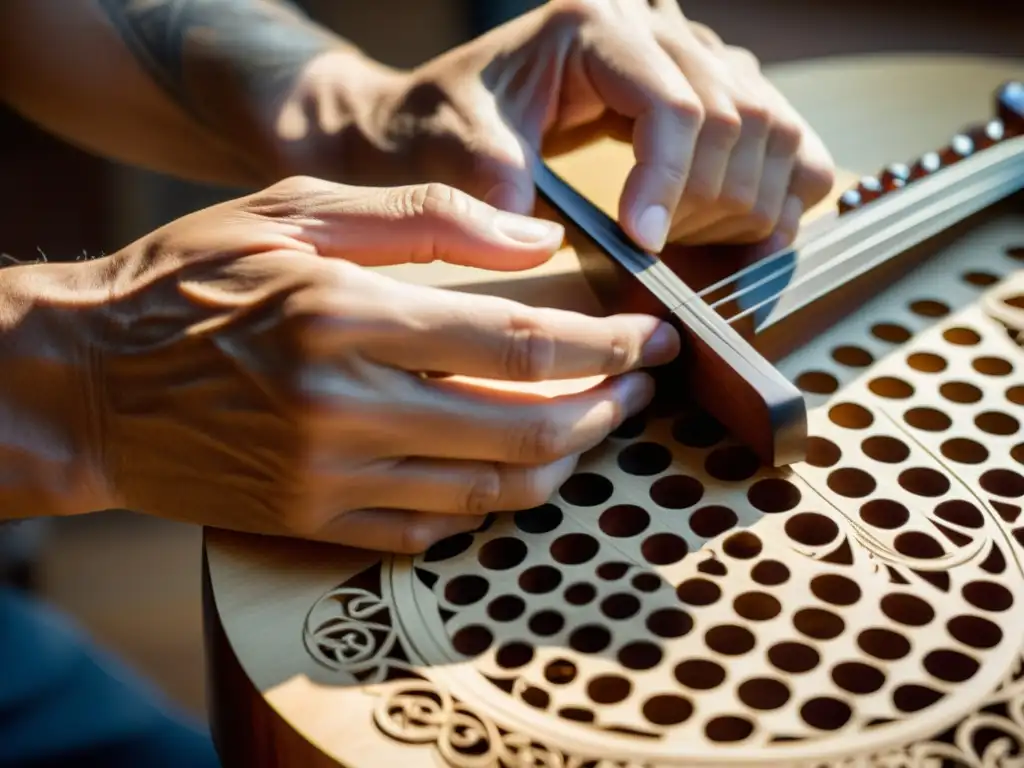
{"x": 829, "y": 614}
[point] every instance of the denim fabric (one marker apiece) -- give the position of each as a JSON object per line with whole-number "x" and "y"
{"x": 64, "y": 702}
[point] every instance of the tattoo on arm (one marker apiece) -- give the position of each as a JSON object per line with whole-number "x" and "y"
{"x": 195, "y": 48}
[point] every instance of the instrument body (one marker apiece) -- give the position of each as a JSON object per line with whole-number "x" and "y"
{"x": 679, "y": 603}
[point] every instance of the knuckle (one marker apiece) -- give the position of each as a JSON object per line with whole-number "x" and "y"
{"x": 754, "y": 115}
{"x": 743, "y": 57}
{"x": 301, "y": 185}
{"x": 786, "y": 136}
{"x": 738, "y": 199}
{"x": 483, "y": 494}
{"x": 705, "y": 34}
{"x": 435, "y": 200}
{"x": 721, "y": 128}
{"x": 700, "y": 193}
{"x": 540, "y": 441}
{"x": 530, "y": 352}
{"x": 686, "y": 110}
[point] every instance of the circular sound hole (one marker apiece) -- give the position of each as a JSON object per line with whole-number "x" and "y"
{"x": 884, "y": 513}
{"x": 574, "y": 548}
{"x": 677, "y": 492}
{"x": 963, "y": 337}
{"x": 664, "y": 549}
{"x": 975, "y": 631}
{"x": 892, "y": 388}
{"x": 997, "y": 423}
{"x": 891, "y": 333}
{"x": 728, "y": 729}
{"x": 851, "y": 416}
{"x": 609, "y": 689}
{"x": 587, "y": 489}
{"x": 929, "y": 308}
{"x": 645, "y": 459}
{"x": 907, "y": 609}
{"x": 992, "y": 366}
{"x": 763, "y": 693}
{"x": 826, "y": 713}
{"x": 811, "y": 529}
{"x": 988, "y": 596}
{"x": 700, "y": 674}
{"x": 886, "y": 449}
{"x": 732, "y": 464}
{"x": 851, "y": 482}
{"x": 857, "y": 677}
{"x": 922, "y": 481}
{"x": 773, "y": 495}
{"x": 709, "y": 522}
{"x": 502, "y": 554}
{"x": 730, "y": 640}
{"x": 927, "y": 419}
{"x": 818, "y": 623}
{"x": 822, "y": 452}
{"x": 926, "y": 362}
{"x": 960, "y": 392}
{"x": 964, "y": 451}
{"x": 817, "y": 382}
{"x": 743, "y": 545}
{"x": 667, "y": 709}
{"x": 853, "y": 357}
{"x": 624, "y": 520}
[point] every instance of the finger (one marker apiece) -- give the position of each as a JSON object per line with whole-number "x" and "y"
{"x": 419, "y": 224}
{"x": 721, "y": 128}
{"x": 494, "y": 338}
{"x": 813, "y": 174}
{"x": 636, "y": 78}
{"x": 399, "y": 531}
{"x": 462, "y": 488}
{"x": 764, "y": 217}
{"x": 738, "y": 231}
{"x": 465, "y": 421}
{"x": 502, "y": 158}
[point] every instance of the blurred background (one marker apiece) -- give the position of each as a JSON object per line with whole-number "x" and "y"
{"x": 134, "y": 582}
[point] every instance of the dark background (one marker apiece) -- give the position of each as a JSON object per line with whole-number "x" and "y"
{"x": 134, "y": 582}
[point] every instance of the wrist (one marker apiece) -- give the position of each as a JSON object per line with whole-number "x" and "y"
{"x": 48, "y": 415}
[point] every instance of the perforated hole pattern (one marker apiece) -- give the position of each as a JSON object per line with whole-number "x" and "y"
{"x": 677, "y": 590}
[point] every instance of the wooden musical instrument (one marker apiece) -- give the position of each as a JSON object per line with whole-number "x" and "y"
{"x": 680, "y": 602}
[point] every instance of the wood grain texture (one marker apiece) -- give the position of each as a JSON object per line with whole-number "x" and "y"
{"x": 677, "y": 603}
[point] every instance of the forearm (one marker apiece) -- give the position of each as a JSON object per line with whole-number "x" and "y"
{"x": 45, "y": 419}
{"x": 203, "y": 89}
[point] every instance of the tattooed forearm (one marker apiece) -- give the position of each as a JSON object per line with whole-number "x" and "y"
{"x": 202, "y": 52}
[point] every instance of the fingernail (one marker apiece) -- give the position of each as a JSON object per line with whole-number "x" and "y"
{"x": 662, "y": 346}
{"x": 652, "y": 228}
{"x": 639, "y": 393}
{"x": 526, "y": 229}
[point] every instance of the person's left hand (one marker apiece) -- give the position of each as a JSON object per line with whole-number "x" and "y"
{"x": 721, "y": 156}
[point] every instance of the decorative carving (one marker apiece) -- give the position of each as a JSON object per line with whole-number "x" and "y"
{"x": 421, "y": 712}
{"x": 678, "y": 599}
{"x": 349, "y": 630}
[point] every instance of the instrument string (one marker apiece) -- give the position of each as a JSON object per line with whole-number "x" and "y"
{"x": 823, "y": 256}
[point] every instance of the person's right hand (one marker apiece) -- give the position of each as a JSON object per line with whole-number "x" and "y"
{"x": 245, "y": 381}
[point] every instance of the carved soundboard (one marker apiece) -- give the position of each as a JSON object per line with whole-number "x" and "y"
{"x": 677, "y": 604}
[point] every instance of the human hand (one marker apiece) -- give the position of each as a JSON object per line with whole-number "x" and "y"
{"x": 247, "y": 382}
{"x": 721, "y": 156}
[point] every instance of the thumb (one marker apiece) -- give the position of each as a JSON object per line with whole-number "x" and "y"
{"x": 426, "y": 223}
